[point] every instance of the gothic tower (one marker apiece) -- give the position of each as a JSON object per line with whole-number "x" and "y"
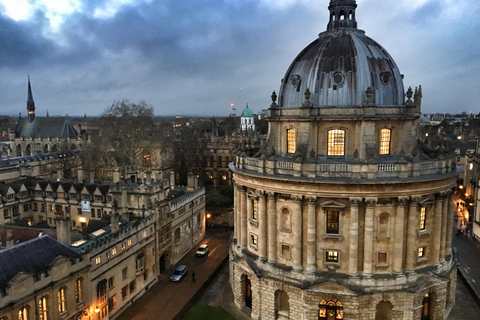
{"x": 30, "y": 103}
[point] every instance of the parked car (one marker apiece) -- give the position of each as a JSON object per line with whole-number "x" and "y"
{"x": 202, "y": 250}
{"x": 179, "y": 273}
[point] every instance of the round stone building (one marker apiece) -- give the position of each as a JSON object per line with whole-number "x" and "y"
{"x": 344, "y": 213}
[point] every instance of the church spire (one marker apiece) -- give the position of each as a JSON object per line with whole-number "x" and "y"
{"x": 30, "y": 103}
{"x": 342, "y": 14}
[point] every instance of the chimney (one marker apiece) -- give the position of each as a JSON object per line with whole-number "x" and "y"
{"x": 114, "y": 222}
{"x": 172, "y": 179}
{"x": 63, "y": 230}
{"x": 190, "y": 181}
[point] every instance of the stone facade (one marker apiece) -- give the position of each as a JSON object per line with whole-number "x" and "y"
{"x": 341, "y": 214}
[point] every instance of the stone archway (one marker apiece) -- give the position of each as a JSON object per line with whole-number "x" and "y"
{"x": 383, "y": 311}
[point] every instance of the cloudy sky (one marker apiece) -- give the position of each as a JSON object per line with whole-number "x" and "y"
{"x": 197, "y": 57}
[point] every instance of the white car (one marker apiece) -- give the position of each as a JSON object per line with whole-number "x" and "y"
{"x": 202, "y": 250}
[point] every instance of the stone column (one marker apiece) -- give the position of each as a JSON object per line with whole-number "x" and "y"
{"x": 368, "y": 238}
{"x": 399, "y": 235}
{"x": 297, "y": 232}
{"x": 448, "y": 241}
{"x": 353, "y": 250}
{"x": 443, "y": 228}
{"x": 437, "y": 225}
{"x": 411, "y": 252}
{"x": 262, "y": 221}
{"x": 272, "y": 227}
{"x": 236, "y": 206}
{"x": 243, "y": 218}
{"x": 311, "y": 235}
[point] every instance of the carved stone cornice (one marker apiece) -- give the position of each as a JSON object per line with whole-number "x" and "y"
{"x": 402, "y": 202}
{"x": 271, "y": 195}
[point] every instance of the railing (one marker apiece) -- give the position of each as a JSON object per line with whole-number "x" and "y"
{"x": 386, "y": 167}
{"x": 284, "y": 165}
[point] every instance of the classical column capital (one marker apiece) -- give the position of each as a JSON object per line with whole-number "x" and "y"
{"x": 414, "y": 201}
{"x": 271, "y": 195}
{"x": 261, "y": 194}
{"x": 312, "y": 201}
{"x": 297, "y": 199}
{"x": 354, "y": 202}
{"x": 402, "y": 201}
{"x": 371, "y": 202}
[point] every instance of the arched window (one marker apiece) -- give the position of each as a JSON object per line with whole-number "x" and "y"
{"x": 54, "y": 148}
{"x": 19, "y": 150}
{"x": 384, "y": 225}
{"x": 45, "y": 148}
{"x": 43, "y": 308}
{"x": 384, "y": 311}
{"x": 385, "y": 138}
{"x": 61, "y": 300}
{"x": 282, "y": 305}
{"x": 78, "y": 290}
{"x": 286, "y": 219}
{"x": 330, "y": 309}
{"x": 23, "y": 313}
{"x": 336, "y": 142}
{"x": 102, "y": 292}
{"x": 426, "y": 307}
{"x": 28, "y": 150}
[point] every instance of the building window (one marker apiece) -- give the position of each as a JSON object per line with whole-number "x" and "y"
{"x": 144, "y": 233}
{"x": 78, "y": 290}
{"x": 254, "y": 209}
{"x": 129, "y": 242}
{"x": 61, "y": 300}
{"x": 98, "y": 260}
{"x": 177, "y": 235}
{"x": 123, "y": 245}
{"x": 382, "y": 259}
{"x": 114, "y": 251}
{"x": 254, "y": 240}
{"x": 133, "y": 286}
{"x": 111, "y": 283}
{"x": 140, "y": 262}
{"x": 102, "y": 292}
{"x": 107, "y": 254}
{"x": 384, "y": 225}
{"x": 291, "y": 141}
{"x": 286, "y": 219}
{"x": 23, "y": 314}
{"x": 422, "y": 252}
{"x": 124, "y": 292}
{"x": 423, "y": 218}
{"x": 331, "y": 256}
{"x": 385, "y": 138}
{"x": 330, "y": 309}
{"x": 336, "y": 142}
{"x": 286, "y": 253}
{"x": 333, "y": 217}
{"x": 124, "y": 273}
{"x": 112, "y": 302}
{"x": 42, "y": 308}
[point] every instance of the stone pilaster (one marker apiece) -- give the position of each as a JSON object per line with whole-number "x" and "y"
{"x": 437, "y": 226}
{"x": 411, "y": 252}
{"x": 272, "y": 227}
{"x": 443, "y": 228}
{"x": 448, "y": 240}
{"x": 311, "y": 235}
{"x": 353, "y": 248}
{"x": 236, "y": 206}
{"x": 297, "y": 233}
{"x": 262, "y": 222}
{"x": 368, "y": 238}
{"x": 399, "y": 235}
{"x": 243, "y": 218}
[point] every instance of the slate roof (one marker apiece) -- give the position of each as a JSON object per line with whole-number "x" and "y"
{"x": 32, "y": 257}
{"x": 46, "y": 127}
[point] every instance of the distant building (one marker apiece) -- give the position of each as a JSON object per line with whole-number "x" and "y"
{"x": 247, "y": 120}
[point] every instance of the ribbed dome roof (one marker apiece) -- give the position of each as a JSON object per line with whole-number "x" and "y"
{"x": 247, "y": 112}
{"x": 340, "y": 65}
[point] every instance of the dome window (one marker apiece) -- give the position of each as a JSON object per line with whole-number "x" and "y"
{"x": 385, "y": 77}
{"x": 338, "y": 79}
{"x": 295, "y": 80}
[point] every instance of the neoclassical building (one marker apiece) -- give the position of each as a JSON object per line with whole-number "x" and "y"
{"x": 342, "y": 214}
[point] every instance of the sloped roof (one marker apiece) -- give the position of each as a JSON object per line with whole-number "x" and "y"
{"x": 32, "y": 257}
{"x": 46, "y": 127}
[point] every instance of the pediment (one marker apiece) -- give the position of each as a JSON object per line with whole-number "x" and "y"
{"x": 331, "y": 287}
{"x": 332, "y": 204}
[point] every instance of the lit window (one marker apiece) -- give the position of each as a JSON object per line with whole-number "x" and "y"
{"x": 471, "y": 166}
{"x": 333, "y": 222}
{"x": 330, "y": 309}
{"x": 42, "y": 308}
{"x": 331, "y": 256}
{"x": 423, "y": 217}
{"x": 123, "y": 246}
{"x": 385, "y": 136}
{"x": 114, "y": 251}
{"x": 254, "y": 239}
{"x": 23, "y": 314}
{"x": 291, "y": 141}
{"x": 129, "y": 242}
{"x": 98, "y": 260}
{"x": 107, "y": 254}
{"x": 426, "y": 307}
{"x": 336, "y": 142}
{"x": 421, "y": 252}
{"x": 78, "y": 290}
{"x": 254, "y": 209}
{"x": 144, "y": 233}
{"x": 112, "y": 302}
{"x": 102, "y": 292}
{"x": 61, "y": 300}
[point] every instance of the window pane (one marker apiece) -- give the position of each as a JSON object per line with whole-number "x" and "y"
{"x": 332, "y": 221}
{"x": 290, "y": 141}
{"x": 336, "y": 142}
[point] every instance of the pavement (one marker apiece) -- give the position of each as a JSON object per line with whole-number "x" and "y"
{"x": 167, "y": 300}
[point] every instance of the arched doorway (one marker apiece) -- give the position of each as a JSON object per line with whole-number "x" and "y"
{"x": 282, "y": 305}
{"x": 426, "y": 307}
{"x": 330, "y": 309}
{"x": 19, "y": 150}
{"x": 247, "y": 287}
{"x": 383, "y": 311}
{"x": 163, "y": 263}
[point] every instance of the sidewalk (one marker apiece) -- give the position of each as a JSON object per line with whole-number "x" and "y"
{"x": 468, "y": 254}
{"x": 167, "y": 300}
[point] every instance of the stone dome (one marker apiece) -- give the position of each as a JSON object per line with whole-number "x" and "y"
{"x": 340, "y": 65}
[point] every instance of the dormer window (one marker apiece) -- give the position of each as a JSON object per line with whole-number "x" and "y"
{"x": 336, "y": 142}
